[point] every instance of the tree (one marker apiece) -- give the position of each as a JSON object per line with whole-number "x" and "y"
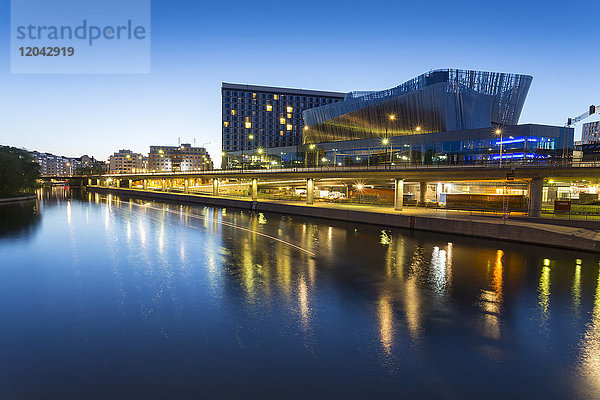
{"x": 18, "y": 171}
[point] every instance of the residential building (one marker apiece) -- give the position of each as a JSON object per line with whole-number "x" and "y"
{"x": 184, "y": 157}
{"x": 125, "y": 161}
{"x": 263, "y": 116}
{"x": 52, "y": 165}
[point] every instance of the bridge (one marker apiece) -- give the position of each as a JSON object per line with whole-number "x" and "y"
{"x": 532, "y": 175}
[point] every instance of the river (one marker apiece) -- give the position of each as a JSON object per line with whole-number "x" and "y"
{"x": 108, "y": 297}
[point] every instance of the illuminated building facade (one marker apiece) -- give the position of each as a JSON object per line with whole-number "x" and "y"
{"x": 519, "y": 143}
{"x": 438, "y": 101}
{"x": 260, "y": 116}
{"x": 590, "y": 132}
{"x": 184, "y": 157}
{"x": 125, "y": 162}
{"x": 52, "y": 165}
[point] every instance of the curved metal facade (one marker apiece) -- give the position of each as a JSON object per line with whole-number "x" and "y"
{"x": 438, "y": 101}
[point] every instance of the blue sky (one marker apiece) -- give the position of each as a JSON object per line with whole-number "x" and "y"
{"x": 327, "y": 45}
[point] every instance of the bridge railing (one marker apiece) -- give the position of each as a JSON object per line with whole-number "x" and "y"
{"x": 506, "y": 164}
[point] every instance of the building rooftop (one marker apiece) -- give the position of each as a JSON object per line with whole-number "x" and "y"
{"x": 273, "y": 89}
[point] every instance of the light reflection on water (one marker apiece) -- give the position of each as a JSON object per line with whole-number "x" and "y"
{"x": 181, "y": 294}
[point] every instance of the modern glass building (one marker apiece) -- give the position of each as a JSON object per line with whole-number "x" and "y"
{"x": 442, "y": 117}
{"x": 590, "y": 132}
{"x": 438, "y": 101}
{"x": 521, "y": 143}
{"x": 262, "y": 116}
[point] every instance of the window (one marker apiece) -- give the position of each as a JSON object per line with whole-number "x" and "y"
{"x": 248, "y": 125}
{"x": 276, "y": 97}
{"x": 232, "y": 112}
{"x": 290, "y": 109}
{"x": 282, "y": 121}
{"x": 269, "y": 107}
{"x": 288, "y": 127}
{"x": 226, "y": 124}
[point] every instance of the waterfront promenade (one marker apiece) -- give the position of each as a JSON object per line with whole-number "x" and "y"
{"x": 580, "y": 235}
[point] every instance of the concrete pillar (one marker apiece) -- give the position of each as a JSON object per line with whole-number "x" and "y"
{"x": 398, "y": 194}
{"x": 422, "y": 193}
{"x": 215, "y": 187}
{"x": 145, "y": 184}
{"x": 89, "y": 181}
{"x": 130, "y": 184}
{"x": 310, "y": 191}
{"x": 536, "y": 187}
{"x": 186, "y": 186}
{"x": 118, "y": 183}
{"x": 254, "y": 189}
{"x": 163, "y": 185}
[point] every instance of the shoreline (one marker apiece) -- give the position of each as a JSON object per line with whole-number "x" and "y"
{"x": 541, "y": 234}
{"x": 18, "y": 199}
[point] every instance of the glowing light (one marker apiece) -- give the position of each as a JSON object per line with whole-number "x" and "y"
{"x": 385, "y": 141}
{"x": 498, "y": 131}
{"x": 386, "y": 323}
{"x": 312, "y": 146}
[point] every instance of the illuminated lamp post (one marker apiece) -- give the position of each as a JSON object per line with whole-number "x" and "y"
{"x": 418, "y": 129}
{"x": 499, "y": 132}
{"x": 391, "y": 117}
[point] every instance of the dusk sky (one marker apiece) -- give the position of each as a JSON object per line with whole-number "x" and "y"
{"x": 333, "y": 45}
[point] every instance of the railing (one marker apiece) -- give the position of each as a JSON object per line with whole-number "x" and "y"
{"x": 506, "y": 165}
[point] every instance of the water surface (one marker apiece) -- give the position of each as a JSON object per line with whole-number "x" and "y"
{"x": 108, "y": 297}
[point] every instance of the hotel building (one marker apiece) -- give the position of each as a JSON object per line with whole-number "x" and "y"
{"x": 255, "y": 117}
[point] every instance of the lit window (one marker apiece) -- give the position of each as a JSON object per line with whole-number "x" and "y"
{"x": 269, "y": 107}
{"x": 289, "y": 115}
{"x": 253, "y": 95}
{"x": 290, "y": 109}
{"x": 276, "y": 97}
{"x": 282, "y": 121}
{"x": 288, "y": 127}
{"x": 248, "y": 125}
{"x": 226, "y": 123}
{"x": 281, "y": 133}
{"x": 232, "y": 112}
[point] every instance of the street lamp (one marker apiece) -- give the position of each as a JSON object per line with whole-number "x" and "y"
{"x": 391, "y": 117}
{"x": 312, "y": 147}
{"x": 499, "y": 132}
{"x": 418, "y": 129}
{"x": 385, "y": 143}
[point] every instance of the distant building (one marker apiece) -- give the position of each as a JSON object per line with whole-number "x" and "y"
{"x": 52, "y": 165}
{"x": 179, "y": 158}
{"x": 590, "y": 132}
{"x": 125, "y": 162}
{"x": 261, "y": 116}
